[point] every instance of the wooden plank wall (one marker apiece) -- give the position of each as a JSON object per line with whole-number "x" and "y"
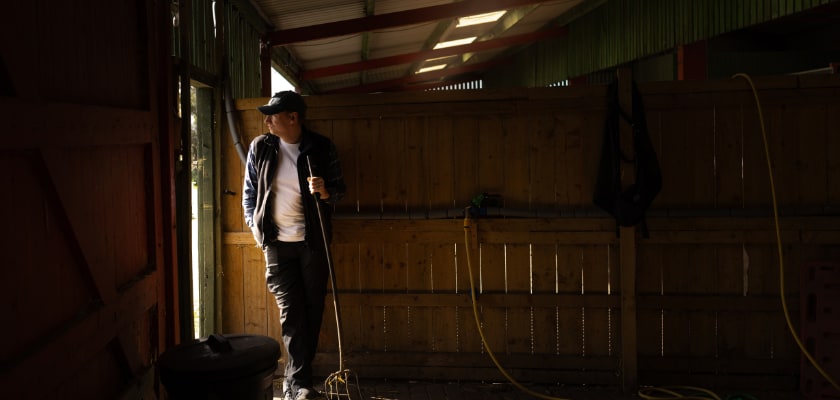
{"x": 83, "y": 277}
{"x": 546, "y": 265}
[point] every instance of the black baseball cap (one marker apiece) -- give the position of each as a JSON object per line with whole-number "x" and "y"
{"x": 284, "y": 101}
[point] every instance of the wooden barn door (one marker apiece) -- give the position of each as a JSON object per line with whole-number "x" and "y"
{"x": 85, "y": 255}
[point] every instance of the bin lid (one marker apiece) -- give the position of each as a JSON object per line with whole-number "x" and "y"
{"x": 219, "y": 357}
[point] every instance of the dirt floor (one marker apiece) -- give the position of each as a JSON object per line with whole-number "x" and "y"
{"x": 421, "y": 390}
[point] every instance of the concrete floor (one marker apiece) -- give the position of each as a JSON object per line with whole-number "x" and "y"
{"x": 422, "y": 390}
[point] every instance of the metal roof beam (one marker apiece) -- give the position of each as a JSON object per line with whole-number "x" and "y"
{"x": 428, "y": 54}
{"x": 391, "y": 20}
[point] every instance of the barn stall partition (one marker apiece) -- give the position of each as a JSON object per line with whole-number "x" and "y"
{"x": 546, "y": 262}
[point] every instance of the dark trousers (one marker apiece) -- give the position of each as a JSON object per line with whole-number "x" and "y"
{"x": 296, "y": 274}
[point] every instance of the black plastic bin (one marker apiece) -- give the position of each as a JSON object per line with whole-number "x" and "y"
{"x": 221, "y": 367}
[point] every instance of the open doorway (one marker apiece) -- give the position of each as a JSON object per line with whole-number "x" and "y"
{"x": 203, "y": 206}
{"x": 203, "y": 147}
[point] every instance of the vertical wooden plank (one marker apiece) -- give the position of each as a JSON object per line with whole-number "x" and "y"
{"x": 702, "y": 275}
{"x": 596, "y": 269}
{"x": 518, "y": 267}
{"x": 24, "y": 249}
{"x": 685, "y": 330}
{"x": 465, "y": 172}
{"x": 756, "y": 181}
{"x": 700, "y": 139}
{"x": 517, "y": 182}
{"x": 650, "y": 283}
{"x": 729, "y": 268}
{"x": 369, "y": 161}
{"x": 569, "y": 319}
{"x": 347, "y": 274}
{"x": 322, "y": 126}
{"x": 491, "y": 151}
{"x": 809, "y": 127}
{"x": 346, "y": 142}
{"x": 771, "y": 330}
{"x": 469, "y": 339}
{"x": 586, "y": 159}
{"x": 728, "y": 148}
{"x": 578, "y": 156}
{"x": 419, "y": 280}
{"x": 444, "y": 281}
{"x": 832, "y": 151}
{"x": 544, "y": 274}
{"x": 233, "y": 293}
{"x": 442, "y": 255}
{"x": 543, "y": 149}
{"x": 784, "y": 154}
{"x": 371, "y": 278}
{"x": 736, "y": 267}
{"x": 416, "y": 167}
{"x": 627, "y": 252}
{"x": 394, "y": 281}
{"x": 256, "y": 310}
{"x": 783, "y": 344}
{"x": 491, "y": 278}
{"x": 675, "y": 150}
{"x": 441, "y": 163}
{"x": 392, "y": 155}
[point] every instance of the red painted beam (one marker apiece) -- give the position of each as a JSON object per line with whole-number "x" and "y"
{"x": 415, "y": 78}
{"x": 395, "y": 19}
{"x": 428, "y": 54}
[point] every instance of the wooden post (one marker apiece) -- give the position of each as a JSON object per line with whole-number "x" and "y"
{"x": 691, "y": 61}
{"x": 183, "y": 181}
{"x": 627, "y": 245}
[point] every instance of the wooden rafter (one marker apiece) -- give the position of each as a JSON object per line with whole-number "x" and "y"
{"x": 391, "y": 20}
{"x": 428, "y": 54}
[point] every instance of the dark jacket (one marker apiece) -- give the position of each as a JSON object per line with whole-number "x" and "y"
{"x": 257, "y": 197}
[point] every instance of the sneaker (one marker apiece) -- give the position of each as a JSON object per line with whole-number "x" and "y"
{"x": 287, "y": 391}
{"x": 308, "y": 394}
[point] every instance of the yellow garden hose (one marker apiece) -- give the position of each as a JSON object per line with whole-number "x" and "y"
{"x": 478, "y": 320}
{"x": 779, "y": 238}
{"x": 674, "y": 392}
{"x": 648, "y": 393}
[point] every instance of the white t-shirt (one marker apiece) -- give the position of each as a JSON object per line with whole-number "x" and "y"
{"x": 288, "y": 208}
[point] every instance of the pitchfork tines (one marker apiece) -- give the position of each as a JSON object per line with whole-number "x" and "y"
{"x": 337, "y": 385}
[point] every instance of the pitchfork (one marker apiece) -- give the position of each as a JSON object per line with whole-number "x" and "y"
{"x": 338, "y": 383}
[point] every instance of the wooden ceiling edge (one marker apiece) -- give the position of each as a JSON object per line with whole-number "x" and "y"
{"x": 391, "y": 20}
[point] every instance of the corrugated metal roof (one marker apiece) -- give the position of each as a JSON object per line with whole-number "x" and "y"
{"x": 286, "y": 14}
{"x": 351, "y": 48}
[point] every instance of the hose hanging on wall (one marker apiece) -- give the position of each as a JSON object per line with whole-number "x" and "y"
{"x": 501, "y": 369}
{"x": 779, "y": 238}
{"x": 229, "y": 114}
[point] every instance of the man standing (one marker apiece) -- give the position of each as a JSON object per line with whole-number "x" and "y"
{"x": 279, "y": 199}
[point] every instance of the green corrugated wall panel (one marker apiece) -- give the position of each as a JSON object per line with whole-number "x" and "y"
{"x": 243, "y": 53}
{"x": 620, "y": 31}
{"x": 203, "y": 47}
{"x": 242, "y": 50}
